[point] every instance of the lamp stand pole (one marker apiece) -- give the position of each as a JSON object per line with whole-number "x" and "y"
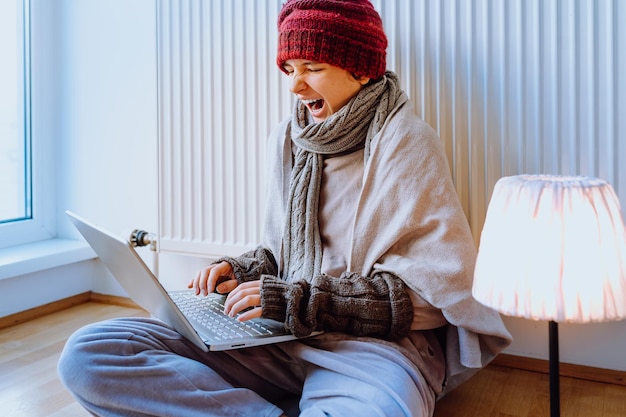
{"x": 555, "y": 394}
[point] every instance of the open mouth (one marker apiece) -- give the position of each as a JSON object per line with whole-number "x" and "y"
{"x": 314, "y": 106}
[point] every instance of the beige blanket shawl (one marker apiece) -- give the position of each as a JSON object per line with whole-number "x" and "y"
{"x": 409, "y": 222}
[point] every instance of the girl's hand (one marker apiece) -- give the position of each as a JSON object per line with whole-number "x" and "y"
{"x": 246, "y": 296}
{"x": 214, "y": 278}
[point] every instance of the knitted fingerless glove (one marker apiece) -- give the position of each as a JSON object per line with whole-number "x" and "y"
{"x": 377, "y": 306}
{"x": 251, "y": 265}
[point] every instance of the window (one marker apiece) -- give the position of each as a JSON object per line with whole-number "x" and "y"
{"x": 21, "y": 211}
{"x": 14, "y": 141}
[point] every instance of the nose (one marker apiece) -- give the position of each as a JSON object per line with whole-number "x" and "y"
{"x": 296, "y": 84}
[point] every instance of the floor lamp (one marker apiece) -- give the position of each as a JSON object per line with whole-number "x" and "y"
{"x": 553, "y": 248}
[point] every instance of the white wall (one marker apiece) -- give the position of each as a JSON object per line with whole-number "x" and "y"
{"x": 98, "y": 59}
{"x": 105, "y": 109}
{"x": 95, "y": 103}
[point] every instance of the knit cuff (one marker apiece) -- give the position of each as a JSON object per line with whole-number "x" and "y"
{"x": 274, "y": 298}
{"x": 251, "y": 265}
{"x": 238, "y": 270}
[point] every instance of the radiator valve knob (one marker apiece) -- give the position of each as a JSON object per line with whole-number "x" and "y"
{"x": 143, "y": 238}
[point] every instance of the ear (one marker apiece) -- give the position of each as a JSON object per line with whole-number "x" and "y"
{"x": 363, "y": 80}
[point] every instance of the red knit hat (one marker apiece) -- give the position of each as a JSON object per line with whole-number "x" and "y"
{"x": 348, "y": 34}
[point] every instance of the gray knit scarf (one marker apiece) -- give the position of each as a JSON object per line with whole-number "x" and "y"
{"x": 351, "y": 128}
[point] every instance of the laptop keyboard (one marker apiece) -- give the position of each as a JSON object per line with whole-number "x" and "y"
{"x": 209, "y": 312}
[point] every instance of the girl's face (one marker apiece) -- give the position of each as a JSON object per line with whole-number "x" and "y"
{"x": 323, "y": 88}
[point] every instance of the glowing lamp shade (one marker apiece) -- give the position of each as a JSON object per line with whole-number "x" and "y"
{"x": 553, "y": 248}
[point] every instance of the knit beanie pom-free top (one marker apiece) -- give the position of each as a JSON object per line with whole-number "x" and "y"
{"x": 345, "y": 33}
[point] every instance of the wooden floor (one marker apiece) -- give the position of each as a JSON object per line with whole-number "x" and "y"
{"x": 29, "y": 352}
{"x": 504, "y": 392}
{"x": 29, "y": 386}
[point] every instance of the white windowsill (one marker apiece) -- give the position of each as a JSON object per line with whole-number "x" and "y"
{"x": 38, "y": 256}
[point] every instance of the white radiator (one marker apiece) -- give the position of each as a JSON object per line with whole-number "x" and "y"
{"x": 512, "y": 86}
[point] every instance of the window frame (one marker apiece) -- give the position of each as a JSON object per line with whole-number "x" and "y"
{"x": 39, "y": 225}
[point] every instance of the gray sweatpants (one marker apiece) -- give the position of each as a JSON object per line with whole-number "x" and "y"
{"x": 141, "y": 367}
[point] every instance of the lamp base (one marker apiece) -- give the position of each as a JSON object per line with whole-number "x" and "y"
{"x": 555, "y": 389}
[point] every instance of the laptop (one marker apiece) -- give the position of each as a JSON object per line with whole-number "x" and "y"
{"x": 199, "y": 319}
